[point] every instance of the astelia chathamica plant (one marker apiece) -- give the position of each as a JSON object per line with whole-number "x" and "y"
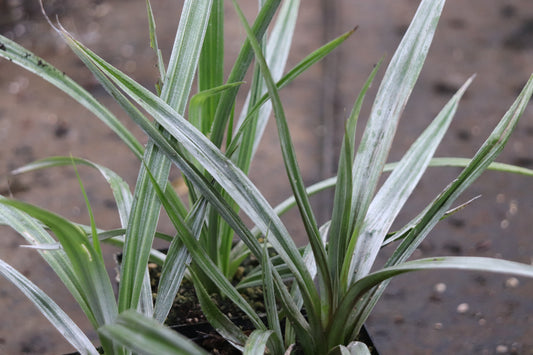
{"x": 332, "y": 289}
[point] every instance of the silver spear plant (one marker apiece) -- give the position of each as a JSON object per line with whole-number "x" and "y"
{"x": 333, "y": 289}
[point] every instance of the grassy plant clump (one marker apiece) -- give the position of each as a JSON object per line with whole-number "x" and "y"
{"x": 316, "y": 298}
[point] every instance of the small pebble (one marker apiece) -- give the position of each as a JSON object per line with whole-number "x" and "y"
{"x": 504, "y": 224}
{"x": 482, "y": 322}
{"x": 440, "y": 287}
{"x": 463, "y": 308}
{"x": 502, "y": 349}
{"x": 512, "y": 282}
{"x": 513, "y": 207}
{"x": 398, "y": 319}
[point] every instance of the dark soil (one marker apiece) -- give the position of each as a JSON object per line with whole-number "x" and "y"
{"x": 186, "y": 314}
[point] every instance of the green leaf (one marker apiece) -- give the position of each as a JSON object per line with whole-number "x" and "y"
{"x": 439, "y": 207}
{"x": 300, "y": 68}
{"x": 398, "y": 187}
{"x": 211, "y": 66}
{"x": 29, "y": 61}
{"x": 86, "y": 262}
{"x": 270, "y": 302}
{"x": 240, "y": 67}
{"x": 34, "y": 233}
{"x": 59, "y": 319}
{"x": 257, "y": 342}
{"x": 204, "y": 262}
{"x": 390, "y": 101}
{"x": 277, "y": 52}
{"x": 119, "y": 187}
{"x": 363, "y": 285}
{"x": 340, "y": 221}
{"x": 153, "y": 41}
{"x": 479, "y": 163}
{"x": 144, "y": 335}
{"x": 201, "y": 102}
{"x": 463, "y": 162}
{"x": 331, "y": 182}
{"x": 145, "y": 210}
{"x": 177, "y": 260}
{"x": 223, "y": 325}
{"x": 186, "y": 53}
{"x": 238, "y": 186}
{"x": 295, "y": 179}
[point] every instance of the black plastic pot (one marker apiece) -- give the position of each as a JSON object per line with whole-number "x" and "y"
{"x": 203, "y": 333}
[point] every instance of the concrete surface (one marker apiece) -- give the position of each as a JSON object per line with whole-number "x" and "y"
{"x": 424, "y": 313}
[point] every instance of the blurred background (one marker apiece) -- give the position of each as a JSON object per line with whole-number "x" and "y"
{"x": 424, "y": 313}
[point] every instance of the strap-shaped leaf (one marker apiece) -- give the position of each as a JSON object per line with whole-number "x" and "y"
{"x": 295, "y": 178}
{"x": 200, "y": 103}
{"x": 145, "y": 210}
{"x": 177, "y": 260}
{"x": 119, "y": 187}
{"x": 153, "y": 41}
{"x": 235, "y": 183}
{"x": 220, "y": 322}
{"x": 87, "y": 265}
{"x": 204, "y": 262}
{"x": 331, "y": 182}
{"x": 398, "y": 187}
{"x": 361, "y": 286}
{"x": 34, "y": 233}
{"x": 34, "y": 64}
{"x": 186, "y": 53}
{"x": 143, "y": 335}
{"x": 59, "y": 319}
{"x": 257, "y": 342}
{"x": 339, "y": 231}
{"x": 211, "y": 65}
{"x": 270, "y": 302}
{"x": 479, "y": 163}
{"x": 390, "y": 101}
{"x": 300, "y": 68}
{"x": 439, "y": 207}
{"x": 277, "y": 52}
{"x": 240, "y": 67}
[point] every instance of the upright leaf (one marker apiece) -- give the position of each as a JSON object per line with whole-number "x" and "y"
{"x": 146, "y": 206}
{"x": 211, "y": 65}
{"x": 390, "y": 101}
{"x": 295, "y": 178}
{"x": 339, "y": 232}
{"x": 234, "y": 182}
{"x": 439, "y": 207}
{"x": 398, "y": 187}
{"x": 240, "y": 67}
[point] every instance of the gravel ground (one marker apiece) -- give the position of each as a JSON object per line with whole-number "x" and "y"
{"x": 425, "y": 313}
